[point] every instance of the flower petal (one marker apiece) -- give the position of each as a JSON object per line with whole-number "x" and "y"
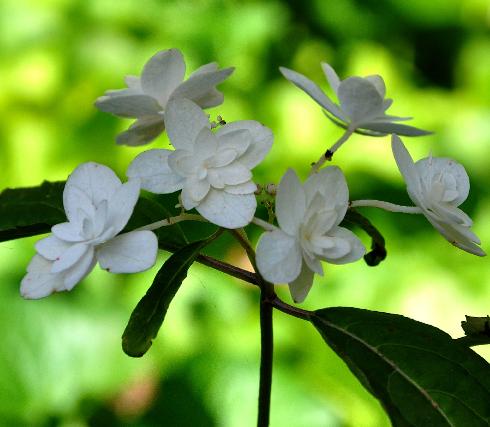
{"x": 235, "y": 173}
{"x": 39, "y": 282}
{"x": 338, "y": 255}
{"x": 81, "y": 269}
{"x": 197, "y": 189}
{"x": 201, "y": 87}
{"x": 331, "y": 184}
{"x": 70, "y": 257}
{"x": 278, "y": 257}
{"x": 378, "y": 82}
{"x": 290, "y": 203}
{"x": 399, "y": 129}
{"x": 129, "y": 252}
{"x": 142, "y": 131}
{"x": 437, "y": 168}
{"x": 121, "y": 205}
{"x": 300, "y": 287}
{"x": 184, "y": 120}
{"x": 259, "y": 145}
{"x": 332, "y": 77}
{"x": 152, "y": 168}
{"x": 51, "y": 247}
{"x": 162, "y": 74}
{"x": 238, "y": 139}
{"x": 68, "y": 231}
{"x": 313, "y": 90}
{"x": 97, "y": 181}
{"x": 244, "y": 188}
{"x": 228, "y": 210}
{"x": 128, "y": 105}
{"x": 407, "y": 168}
{"x": 360, "y": 100}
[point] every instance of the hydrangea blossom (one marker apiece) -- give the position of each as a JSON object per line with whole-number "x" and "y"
{"x": 213, "y": 170}
{"x": 97, "y": 206}
{"x": 309, "y": 218}
{"x": 362, "y": 102}
{"x": 161, "y": 80}
{"x": 438, "y": 186}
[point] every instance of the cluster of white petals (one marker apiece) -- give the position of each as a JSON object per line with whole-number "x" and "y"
{"x": 97, "y": 206}
{"x": 438, "y": 186}
{"x": 213, "y": 170}
{"x": 309, "y": 218}
{"x": 362, "y": 102}
{"x": 146, "y": 97}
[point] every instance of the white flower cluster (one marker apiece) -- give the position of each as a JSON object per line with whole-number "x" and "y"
{"x": 212, "y": 169}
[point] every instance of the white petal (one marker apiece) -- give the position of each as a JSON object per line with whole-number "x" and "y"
{"x": 359, "y": 99}
{"x": 313, "y": 264}
{"x": 68, "y": 232}
{"x": 184, "y": 163}
{"x": 197, "y": 189}
{"x": 234, "y": 174}
{"x": 314, "y": 91}
{"x": 331, "y": 184}
{"x": 142, "y": 131}
{"x": 223, "y": 157}
{"x": 152, "y": 168}
{"x": 121, "y": 205}
{"x": 81, "y": 269}
{"x": 278, "y": 257}
{"x": 290, "y": 203}
{"x": 459, "y": 236}
{"x": 259, "y": 145}
{"x": 228, "y": 210}
{"x": 332, "y": 77}
{"x": 206, "y": 144}
{"x": 162, "y": 74}
{"x": 70, "y": 257}
{"x": 78, "y": 205}
{"x": 245, "y": 188}
{"x": 378, "y": 82}
{"x": 357, "y": 249}
{"x": 201, "y": 87}
{"x": 133, "y": 82}
{"x": 129, "y": 105}
{"x": 184, "y": 120}
{"x": 129, "y": 253}
{"x": 97, "y": 181}
{"x": 407, "y": 168}
{"x": 300, "y": 287}
{"x": 187, "y": 201}
{"x": 51, "y": 247}
{"x": 206, "y": 68}
{"x": 434, "y": 167}
{"x": 39, "y": 282}
{"x": 238, "y": 140}
{"x": 387, "y": 127}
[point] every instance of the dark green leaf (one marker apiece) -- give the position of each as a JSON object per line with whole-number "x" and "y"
{"x": 422, "y": 377}
{"x": 378, "y": 251}
{"x": 30, "y": 211}
{"x": 148, "y": 316}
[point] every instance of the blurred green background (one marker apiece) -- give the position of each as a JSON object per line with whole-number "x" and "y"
{"x": 60, "y": 361}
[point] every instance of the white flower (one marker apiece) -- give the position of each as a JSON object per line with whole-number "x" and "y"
{"x": 161, "y": 80}
{"x": 362, "y": 102}
{"x": 97, "y": 207}
{"x": 308, "y": 218}
{"x": 438, "y": 186}
{"x": 211, "y": 169}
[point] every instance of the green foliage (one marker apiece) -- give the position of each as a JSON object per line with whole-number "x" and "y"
{"x": 30, "y": 211}
{"x": 422, "y": 377}
{"x": 148, "y": 316}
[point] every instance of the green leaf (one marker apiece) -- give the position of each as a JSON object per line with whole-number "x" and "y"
{"x": 148, "y": 316}
{"x": 29, "y": 211}
{"x": 422, "y": 377}
{"x": 378, "y": 251}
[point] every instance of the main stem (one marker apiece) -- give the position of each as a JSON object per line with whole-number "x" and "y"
{"x": 266, "y": 357}
{"x": 267, "y": 295}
